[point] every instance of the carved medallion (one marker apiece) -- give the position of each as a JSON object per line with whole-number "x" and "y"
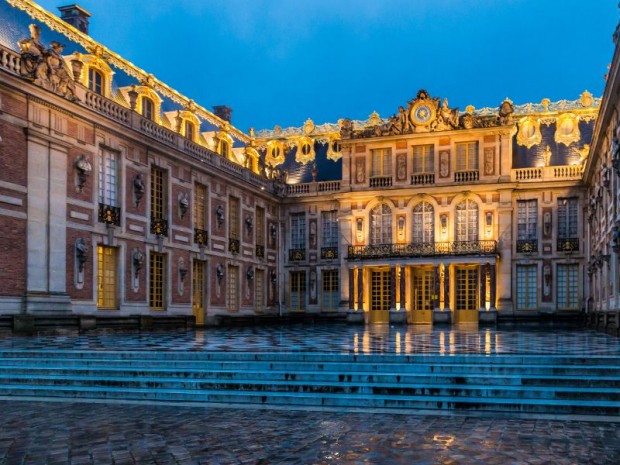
{"x": 529, "y": 132}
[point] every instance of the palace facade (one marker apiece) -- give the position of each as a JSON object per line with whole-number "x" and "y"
{"x": 123, "y": 200}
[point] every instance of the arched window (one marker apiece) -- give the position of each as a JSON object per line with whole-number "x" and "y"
{"x": 423, "y": 223}
{"x": 381, "y": 225}
{"x": 467, "y": 221}
{"x": 95, "y": 81}
{"x": 224, "y": 148}
{"x": 148, "y": 108}
{"x": 189, "y": 130}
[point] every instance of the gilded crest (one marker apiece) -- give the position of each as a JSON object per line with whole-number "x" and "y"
{"x": 529, "y": 132}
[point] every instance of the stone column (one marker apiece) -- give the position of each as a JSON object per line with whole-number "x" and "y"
{"x": 392, "y": 287}
{"x": 360, "y": 288}
{"x": 483, "y": 287}
{"x": 446, "y": 287}
{"x": 351, "y": 290}
{"x": 403, "y": 298}
{"x": 492, "y": 287}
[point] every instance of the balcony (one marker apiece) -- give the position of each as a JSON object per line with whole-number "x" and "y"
{"x": 296, "y": 255}
{"x": 527, "y": 245}
{"x": 201, "y": 237}
{"x": 380, "y": 181}
{"x": 424, "y": 249}
{"x": 159, "y": 227}
{"x": 568, "y": 245}
{"x": 422, "y": 179}
{"x": 109, "y": 214}
{"x": 467, "y": 176}
{"x": 547, "y": 173}
{"x": 260, "y": 251}
{"x": 329, "y": 253}
{"x": 233, "y": 245}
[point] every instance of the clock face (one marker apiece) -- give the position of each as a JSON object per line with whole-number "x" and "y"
{"x": 422, "y": 114}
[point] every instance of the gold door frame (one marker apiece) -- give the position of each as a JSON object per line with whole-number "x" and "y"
{"x": 379, "y": 292}
{"x": 466, "y": 293}
{"x": 422, "y": 286}
{"x": 198, "y": 291}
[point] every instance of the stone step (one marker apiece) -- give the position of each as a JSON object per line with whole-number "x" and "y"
{"x": 463, "y": 378}
{"x": 215, "y": 384}
{"x": 337, "y": 367}
{"x": 169, "y": 356}
{"x": 540, "y": 406}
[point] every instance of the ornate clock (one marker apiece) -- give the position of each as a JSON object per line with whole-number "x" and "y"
{"x": 422, "y": 113}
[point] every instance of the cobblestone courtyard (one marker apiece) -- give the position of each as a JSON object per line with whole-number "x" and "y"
{"x": 96, "y": 433}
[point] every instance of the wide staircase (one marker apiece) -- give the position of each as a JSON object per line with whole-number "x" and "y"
{"x": 525, "y": 384}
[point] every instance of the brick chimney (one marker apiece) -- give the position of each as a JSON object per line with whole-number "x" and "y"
{"x": 223, "y": 112}
{"x": 76, "y": 16}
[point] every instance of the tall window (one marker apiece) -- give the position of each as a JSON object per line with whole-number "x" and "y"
{"x": 259, "y": 291}
{"x": 423, "y": 223}
{"x": 232, "y": 303}
{"x": 568, "y": 286}
{"x": 224, "y": 148}
{"x": 466, "y": 156}
{"x": 148, "y": 108}
{"x": 107, "y": 177}
{"x": 189, "y": 129}
{"x": 381, "y": 162}
{"x": 106, "y": 278}
{"x": 526, "y": 287}
{"x": 329, "y": 229}
{"x": 567, "y": 218}
{"x": 156, "y": 281}
{"x": 233, "y": 217}
{"x": 158, "y": 197}
{"x": 527, "y": 212}
{"x": 467, "y": 221}
{"x": 95, "y": 81}
{"x": 200, "y": 207}
{"x": 423, "y": 159}
{"x": 260, "y": 226}
{"x": 298, "y": 231}
{"x": 331, "y": 295}
{"x": 381, "y": 225}
{"x": 298, "y": 290}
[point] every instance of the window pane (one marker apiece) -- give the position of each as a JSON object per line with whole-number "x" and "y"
{"x": 329, "y": 229}
{"x": 298, "y": 231}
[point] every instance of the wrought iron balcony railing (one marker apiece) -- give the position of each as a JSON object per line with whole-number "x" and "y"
{"x": 568, "y": 245}
{"x": 423, "y": 249}
{"x": 260, "y": 251}
{"x": 527, "y": 245}
{"x": 201, "y": 237}
{"x": 159, "y": 226}
{"x": 109, "y": 214}
{"x": 233, "y": 245}
{"x": 296, "y": 255}
{"x": 329, "y": 253}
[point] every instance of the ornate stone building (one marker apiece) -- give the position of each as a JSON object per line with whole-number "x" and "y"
{"x": 121, "y": 199}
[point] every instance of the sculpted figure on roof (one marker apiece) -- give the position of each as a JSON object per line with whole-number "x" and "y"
{"x": 32, "y": 53}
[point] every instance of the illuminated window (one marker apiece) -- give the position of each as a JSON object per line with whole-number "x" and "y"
{"x": 95, "y": 81}
{"x": 156, "y": 281}
{"x": 107, "y": 281}
{"x": 423, "y": 159}
{"x": 331, "y": 294}
{"x": 567, "y": 218}
{"x": 233, "y": 218}
{"x": 527, "y": 213}
{"x": 259, "y": 291}
{"x": 198, "y": 286}
{"x": 189, "y": 130}
{"x": 148, "y": 108}
{"x": 107, "y": 177}
{"x": 298, "y": 291}
{"x": 232, "y": 303}
{"x": 260, "y": 226}
{"x": 568, "y": 286}
{"x": 329, "y": 224}
{"x": 423, "y": 223}
{"x": 200, "y": 207}
{"x": 381, "y": 225}
{"x": 381, "y": 162}
{"x": 158, "y": 197}
{"x": 467, "y": 221}
{"x": 298, "y": 231}
{"x": 527, "y": 282}
{"x": 466, "y": 156}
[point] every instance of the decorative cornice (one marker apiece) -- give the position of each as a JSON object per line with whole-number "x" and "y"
{"x": 53, "y": 22}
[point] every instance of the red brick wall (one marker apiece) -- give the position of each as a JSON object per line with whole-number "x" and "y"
{"x": 130, "y": 294}
{"x": 13, "y": 155}
{"x": 185, "y": 296}
{"x": 13, "y": 253}
{"x": 87, "y": 193}
{"x": 87, "y": 290}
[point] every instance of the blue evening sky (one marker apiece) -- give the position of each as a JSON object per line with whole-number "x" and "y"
{"x": 278, "y": 62}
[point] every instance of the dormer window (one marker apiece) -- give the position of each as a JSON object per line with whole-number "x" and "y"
{"x": 189, "y": 130}
{"x": 95, "y": 81}
{"x": 148, "y": 108}
{"x": 224, "y": 148}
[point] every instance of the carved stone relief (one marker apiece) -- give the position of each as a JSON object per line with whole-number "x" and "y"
{"x": 489, "y": 161}
{"x": 444, "y": 163}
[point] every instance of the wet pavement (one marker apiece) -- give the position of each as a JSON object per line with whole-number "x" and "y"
{"x": 88, "y": 433}
{"x": 333, "y": 338}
